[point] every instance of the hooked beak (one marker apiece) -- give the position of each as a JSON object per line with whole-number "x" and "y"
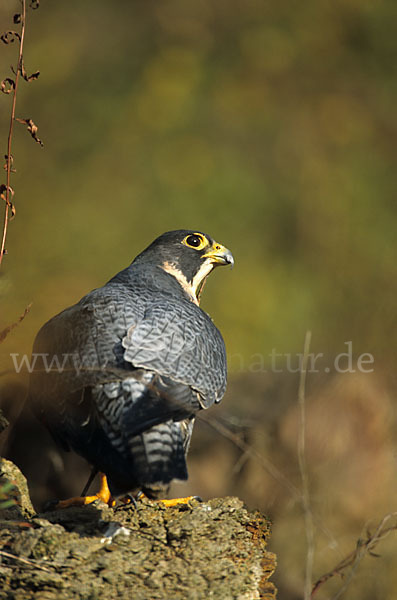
{"x": 219, "y": 255}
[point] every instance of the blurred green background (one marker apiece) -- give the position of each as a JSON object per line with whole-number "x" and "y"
{"x": 272, "y": 126}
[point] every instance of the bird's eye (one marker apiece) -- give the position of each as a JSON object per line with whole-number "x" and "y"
{"x": 195, "y": 241}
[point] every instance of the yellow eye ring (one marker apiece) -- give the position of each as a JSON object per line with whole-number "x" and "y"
{"x": 195, "y": 240}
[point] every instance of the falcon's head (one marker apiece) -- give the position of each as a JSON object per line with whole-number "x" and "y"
{"x": 187, "y": 255}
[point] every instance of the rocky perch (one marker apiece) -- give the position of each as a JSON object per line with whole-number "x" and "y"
{"x": 214, "y": 549}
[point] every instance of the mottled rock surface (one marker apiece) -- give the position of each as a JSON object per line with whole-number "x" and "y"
{"x": 10, "y": 475}
{"x": 214, "y": 549}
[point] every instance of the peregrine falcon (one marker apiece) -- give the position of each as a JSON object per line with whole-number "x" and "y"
{"x": 120, "y": 376}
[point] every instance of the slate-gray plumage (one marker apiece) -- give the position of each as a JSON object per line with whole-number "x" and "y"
{"x": 132, "y": 364}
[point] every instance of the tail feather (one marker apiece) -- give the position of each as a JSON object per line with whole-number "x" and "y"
{"x": 159, "y": 454}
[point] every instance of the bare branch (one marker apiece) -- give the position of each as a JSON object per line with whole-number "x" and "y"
{"x": 21, "y": 38}
{"x": 352, "y": 560}
{"x": 10, "y": 86}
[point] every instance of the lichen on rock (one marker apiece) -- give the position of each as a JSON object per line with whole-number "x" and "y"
{"x": 214, "y": 549}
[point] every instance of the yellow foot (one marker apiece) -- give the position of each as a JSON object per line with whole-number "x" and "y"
{"x": 172, "y": 501}
{"x": 176, "y": 501}
{"x": 103, "y": 494}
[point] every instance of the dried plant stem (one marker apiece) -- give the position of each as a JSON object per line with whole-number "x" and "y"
{"x": 309, "y": 526}
{"x": 250, "y": 451}
{"x": 6, "y": 331}
{"x": 352, "y": 560}
{"x": 11, "y": 129}
{"x": 265, "y": 464}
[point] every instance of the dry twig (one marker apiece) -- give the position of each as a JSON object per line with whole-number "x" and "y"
{"x": 352, "y": 560}
{"x": 309, "y": 527}
{"x": 6, "y": 331}
{"x": 31, "y": 563}
{"x": 250, "y": 452}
